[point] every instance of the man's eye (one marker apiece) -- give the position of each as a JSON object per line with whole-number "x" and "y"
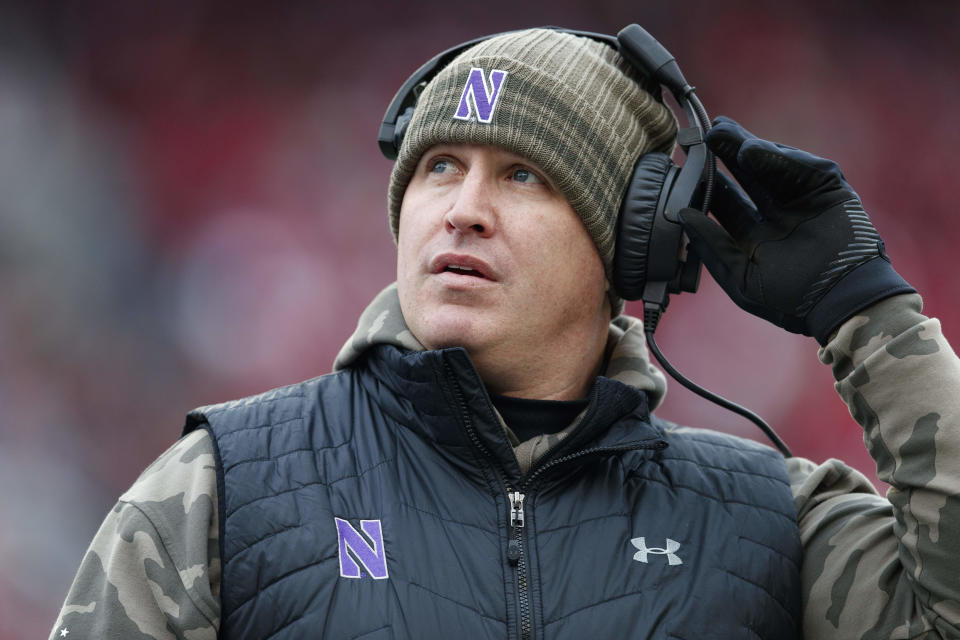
{"x": 526, "y": 176}
{"x": 441, "y": 166}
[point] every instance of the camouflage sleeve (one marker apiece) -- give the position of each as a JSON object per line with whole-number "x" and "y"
{"x": 152, "y": 571}
{"x": 879, "y": 567}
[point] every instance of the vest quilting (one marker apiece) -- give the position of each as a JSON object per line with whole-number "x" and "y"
{"x": 647, "y": 531}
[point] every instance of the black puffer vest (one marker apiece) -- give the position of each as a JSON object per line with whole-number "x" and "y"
{"x": 385, "y": 501}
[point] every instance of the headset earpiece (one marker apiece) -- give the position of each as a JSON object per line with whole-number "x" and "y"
{"x": 650, "y": 260}
{"x": 403, "y": 121}
{"x": 651, "y": 180}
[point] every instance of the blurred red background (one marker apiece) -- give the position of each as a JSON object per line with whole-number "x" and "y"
{"x": 193, "y": 209}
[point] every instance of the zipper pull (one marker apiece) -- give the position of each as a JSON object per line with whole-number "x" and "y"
{"x": 516, "y": 509}
{"x": 513, "y": 551}
{"x": 516, "y": 523}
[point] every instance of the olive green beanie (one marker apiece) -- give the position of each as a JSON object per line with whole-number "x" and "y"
{"x": 570, "y": 104}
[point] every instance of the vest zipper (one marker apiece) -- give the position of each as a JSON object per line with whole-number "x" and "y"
{"x": 515, "y": 499}
{"x": 516, "y": 557}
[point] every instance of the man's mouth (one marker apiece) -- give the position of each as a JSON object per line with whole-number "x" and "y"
{"x": 463, "y": 265}
{"x": 464, "y": 271}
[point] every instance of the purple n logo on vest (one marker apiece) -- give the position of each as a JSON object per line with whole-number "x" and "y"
{"x": 478, "y": 96}
{"x": 372, "y": 557}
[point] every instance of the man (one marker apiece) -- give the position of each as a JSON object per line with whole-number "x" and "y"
{"x": 484, "y": 462}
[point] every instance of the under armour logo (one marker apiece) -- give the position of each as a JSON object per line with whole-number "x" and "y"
{"x": 669, "y": 551}
{"x": 478, "y": 97}
{"x": 372, "y": 557}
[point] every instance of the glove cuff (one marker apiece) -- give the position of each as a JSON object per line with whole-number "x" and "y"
{"x": 871, "y": 282}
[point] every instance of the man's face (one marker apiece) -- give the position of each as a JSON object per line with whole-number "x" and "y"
{"x": 492, "y": 256}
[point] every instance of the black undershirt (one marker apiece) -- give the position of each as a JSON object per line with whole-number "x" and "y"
{"x": 531, "y": 418}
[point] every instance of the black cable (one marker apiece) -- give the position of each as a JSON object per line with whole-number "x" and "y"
{"x": 712, "y": 397}
{"x": 701, "y": 113}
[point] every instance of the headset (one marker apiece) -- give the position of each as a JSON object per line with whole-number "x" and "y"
{"x": 651, "y": 260}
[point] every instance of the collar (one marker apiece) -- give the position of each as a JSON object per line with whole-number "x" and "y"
{"x": 440, "y": 396}
{"x": 430, "y": 390}
{"x": 628, "y": 360}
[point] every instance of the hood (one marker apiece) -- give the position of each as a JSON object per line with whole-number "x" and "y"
{"x": 628, "y": 360}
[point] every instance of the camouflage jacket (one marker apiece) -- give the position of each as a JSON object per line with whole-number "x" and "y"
{"x": 873, "y": 567}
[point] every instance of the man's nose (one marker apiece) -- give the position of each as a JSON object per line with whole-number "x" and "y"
{"x": 474, "y": 210}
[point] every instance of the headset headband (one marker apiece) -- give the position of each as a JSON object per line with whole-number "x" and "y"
{"x": 396, "y": 117}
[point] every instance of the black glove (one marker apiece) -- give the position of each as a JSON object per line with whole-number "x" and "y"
{"x": 806, "y": 257}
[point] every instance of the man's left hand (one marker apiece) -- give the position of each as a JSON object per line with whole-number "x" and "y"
{"x": 800, "y": 251}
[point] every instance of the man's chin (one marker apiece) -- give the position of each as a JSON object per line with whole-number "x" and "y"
{"x": 458, "y": 327}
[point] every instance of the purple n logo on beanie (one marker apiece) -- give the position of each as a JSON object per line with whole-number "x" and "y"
{"x": 484, "y": 98}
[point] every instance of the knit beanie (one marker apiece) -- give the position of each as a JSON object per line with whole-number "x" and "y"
{"x": 568, "y": 103}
